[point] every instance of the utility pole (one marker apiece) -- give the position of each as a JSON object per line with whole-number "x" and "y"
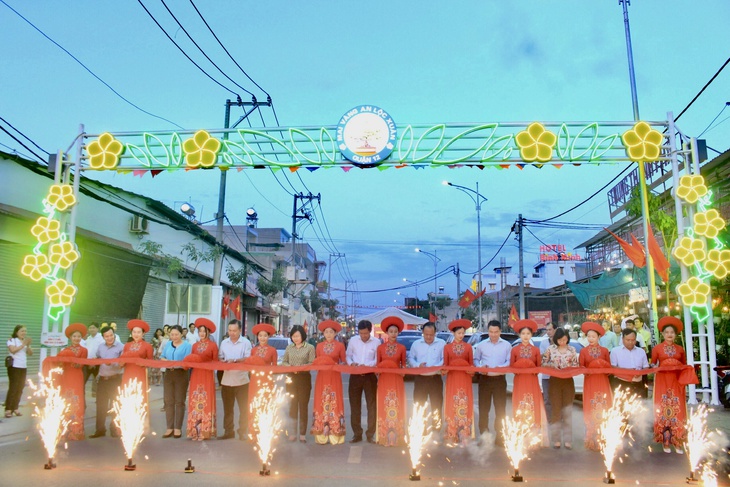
{"x": 329, "y": 278}
{"x": 300, "y": 213}
{"x": 457, "y": 272}
{"x": 520, "y": 224}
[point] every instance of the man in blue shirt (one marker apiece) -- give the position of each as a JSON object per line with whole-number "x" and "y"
{"x": 629, "y": 356}
{"x": 492, "y": 353}
{"x": 110, "y": 378}
{"x": 362, "y": 350}
{"x": 429, "y": 352}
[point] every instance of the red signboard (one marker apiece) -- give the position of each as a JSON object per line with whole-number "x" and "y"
{"x": 542, "y": 318}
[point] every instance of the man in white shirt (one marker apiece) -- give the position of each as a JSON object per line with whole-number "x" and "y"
{"x": 192, "y": 336}
{"x": 234, "y": 384}
{"x": 91, "y": 344}
{"x": 492, "y": 353}
{"x": 629, "y": 356}
{"x": 362, "y": 351}
{"x": 429, "y": 352}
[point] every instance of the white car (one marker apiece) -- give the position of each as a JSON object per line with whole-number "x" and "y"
{"x": 279, "y": 343}
{"x": 578, "y": 379}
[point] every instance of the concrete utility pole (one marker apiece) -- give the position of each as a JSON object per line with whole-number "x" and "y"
{"x": 329, "y": 278}
{"x": 520, "y": 224}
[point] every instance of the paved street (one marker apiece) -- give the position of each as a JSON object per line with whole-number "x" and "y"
{"x": 162, "y": 461}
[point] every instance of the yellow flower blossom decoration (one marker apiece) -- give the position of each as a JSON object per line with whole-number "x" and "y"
{"x": 642, "y": 143}
{"x": 36, "y": 267}
{"x": 690, "y": 251}
{"x": 536, "y": 143}
{"x": 63, "y": 254}
{"x": 61, "y": 293}
{"x": 691, "y": 188}
{"x": 46, "y": 230}
{"x": 718, "y": 263}
{"x": 708, "y": 223}
{"x": 104, "y": 153}
{"x": 61, "y": 197}
{"x": 201, "y": 150}
{"x": 693, "y": 292}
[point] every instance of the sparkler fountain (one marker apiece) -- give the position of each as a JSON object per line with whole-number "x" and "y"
{"x": 419, "y": 434}
{"x": 130, "y": 415}
{"x": 519, "y": 437}
{"x": 267, "y": 423}
{"x": 52, "y": 422}
{"x": 614, "y": 426}
{"x": 698, "y": 444}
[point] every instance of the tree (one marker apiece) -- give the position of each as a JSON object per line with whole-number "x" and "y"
{"x": 270, "y": 288}
{"x": 238, "y": 277}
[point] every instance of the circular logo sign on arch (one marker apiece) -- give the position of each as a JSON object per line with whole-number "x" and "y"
{"x": 366, "y": 135}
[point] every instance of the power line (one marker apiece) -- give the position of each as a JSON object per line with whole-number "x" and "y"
{"x": 201, "y": 49}
{"x": 21, "y": 143}
{"x": 89, "y": 70}
{"x": 703, "y": 89}
{"x": 229, "y": 55}
{"x": 716, "y": 117}
{"x": 183, "y": 51}
{"x": 28, "y": 138}
{"x": 494, "y": 256}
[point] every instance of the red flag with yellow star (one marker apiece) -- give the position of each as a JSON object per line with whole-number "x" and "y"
{"x": 466, "y": 298}
{"x": 513, "y": 316}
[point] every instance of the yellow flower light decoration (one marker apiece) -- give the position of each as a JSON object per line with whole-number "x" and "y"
{"x": 708, "y": 223}
{"x": 690, "y": 251}
{"x": 63, "y": 254}
{"x": 61, "y": 197}
{"x": 691, "y": 188}
{"x": 35, "y": 267}
{"x": 718, "y": 263}
{"x": 536, "y": 143}
{"x": 201, "y": 150}
{"x": 642, "y": 143}
{"x": 46, "y": 230}
{"x": 693, "y": 292}
{"x": 104, "y": 153}
{"x": 61, "y": 293}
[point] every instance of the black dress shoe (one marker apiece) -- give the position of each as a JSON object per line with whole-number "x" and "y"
{"x": 371, "y": 440}
{"x": 356, "y": 439}
{"x": 227, "y": 436}
{"x": 98, "y": 434}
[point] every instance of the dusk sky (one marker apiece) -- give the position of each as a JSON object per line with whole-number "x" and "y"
{"x": 423, "y": 61}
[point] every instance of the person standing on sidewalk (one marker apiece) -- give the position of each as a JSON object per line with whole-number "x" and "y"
{"x": 492, "y": 353}
{"x": 19, "y": 349}
{"x": 110, "y": 378}
{"x": 91, "y": 343}
{"x": 234, "y": 384}
{"x": 299, "y": 352}
{"x": 363, "y": 352}
{"x": 175, "y": 382}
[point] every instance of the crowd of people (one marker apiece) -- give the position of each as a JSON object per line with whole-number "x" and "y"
{"x": 190, "y": 392}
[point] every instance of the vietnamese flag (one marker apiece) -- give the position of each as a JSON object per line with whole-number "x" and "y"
{"x": 236, "y": 307}
{"x": 432, "y": 318}
{"x": 466, "y": 299}
{"x": 661, "y": 264}
{"x": 634, "y": 252}
{"x": 225, "y": 307}
{"x": 513, "y": 316}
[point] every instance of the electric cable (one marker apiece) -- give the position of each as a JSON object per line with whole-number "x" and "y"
{"x": 21, "y": 143}
{"x": 716, "y": 117}
{"x": 25, "y": 136}
{"x": 703, "y": 89}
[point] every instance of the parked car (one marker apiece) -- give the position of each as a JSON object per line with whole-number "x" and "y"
{"x": 483, "y": 335}
{"x": 279, "y": 343}
{"x": 444, "y": 335}
{"x": 408, "y": 341}
{"x": 467, "y": 337}
{"x": 416, "y": 333}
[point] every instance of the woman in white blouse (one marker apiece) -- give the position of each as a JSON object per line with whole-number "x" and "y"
{"x": 19, "y": 349}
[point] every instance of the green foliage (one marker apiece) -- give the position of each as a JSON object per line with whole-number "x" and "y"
{"x": 270, "y": 288}
{"x": 238, "y": 277}
{"x": 665, "y": 223}
{"x": 315, "y": 302}
{"x": 442, "y": 302}
{"x": 330, "y": 306}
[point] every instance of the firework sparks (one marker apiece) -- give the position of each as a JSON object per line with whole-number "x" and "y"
{"x": 518, "y": 439}
{"x": 708, "y": 476}
{"x": 267, "y": 423}
{"x": 419, "y": 434}
{"x": 129, "y": 415}
{"x": 615, "y": 426}
{"x": 697, "y": 442}
{"x": 52, "y": 422}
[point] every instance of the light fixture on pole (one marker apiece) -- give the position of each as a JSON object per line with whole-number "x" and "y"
{"x": 477, "y": 199}
{"x": 188, "y": 210}
{"x": 252, "y": 218}
{"x": 436, "y": 260}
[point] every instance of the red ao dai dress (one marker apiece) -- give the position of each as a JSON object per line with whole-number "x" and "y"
{"x": 201, "y": 424}
{"x": 526, "y": 394}
{"x": 597, "y": 395}
{"x": 391, "y": 396}
{"x": 459, "y": 397}
{"x": 72, "y": 390}
{"x": 328, "y": 416}
{"x": 670, "y": 403}
{"x": 260, "y": 355}
{"x": 140, "y": 349}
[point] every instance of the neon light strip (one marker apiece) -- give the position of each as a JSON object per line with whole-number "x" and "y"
{"x": 435, "y": 145}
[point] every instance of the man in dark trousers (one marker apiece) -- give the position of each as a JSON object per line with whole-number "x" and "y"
{"x": 362, "y": 351}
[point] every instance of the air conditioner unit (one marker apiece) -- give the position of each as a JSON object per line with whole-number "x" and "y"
{"x": 138, "y": 224}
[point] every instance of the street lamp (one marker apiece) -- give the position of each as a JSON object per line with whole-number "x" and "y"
{"x": 477, "y": 198}
{"x": 436, "y": 260}
{"x": 416, "y": 284}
